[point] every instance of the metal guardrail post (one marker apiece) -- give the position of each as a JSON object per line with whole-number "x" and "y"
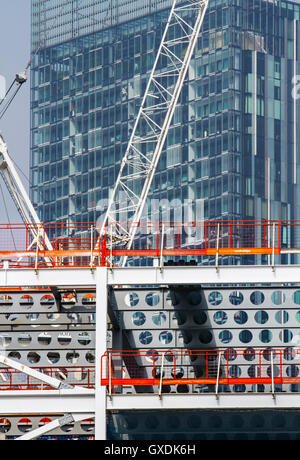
{"x": 273, "y": 247}
{"x": 218, "y": 375}
{"x": 272, "y": 375}
{"x": 92, "y": 249}
{"x": 37, "y": 251}
{"x": 162, "y": 248}
{"x": 111, "y": 249}
{"x": 217, "y": 247}
{"x": 161, "y": 375}
{"x": 110, "y": 376}
{"x": 59, "y": 260}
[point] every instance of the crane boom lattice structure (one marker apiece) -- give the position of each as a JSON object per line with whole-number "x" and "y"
{"x": 20, "y": 197}
{"x": 11, "y": 178}
{"x": 154, "y": 118}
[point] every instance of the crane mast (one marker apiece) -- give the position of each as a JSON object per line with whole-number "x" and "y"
{"x": 154, "y": 118}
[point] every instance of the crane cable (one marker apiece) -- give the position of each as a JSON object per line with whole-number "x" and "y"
{"x": 16, "y": 165}
{"x": 2, "y": 113}
{"x": 22, "y": 172}
{"x": 19, "y": 79}
{"x": 7, "y": 92}
{"x": 4, "y": 110}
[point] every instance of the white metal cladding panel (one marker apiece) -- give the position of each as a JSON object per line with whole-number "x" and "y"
{"x": 193, "y": 298}
{"x": 233, "y": 297}
{"x": 41, "y": 321}
{"x": 136, "y": 299}
{"x": 212, "y": 338}
{"x": 32, "y": 340}
{"x": 53, "y": 358}
{"x": 216, "y": 317}
{"x": 44, "y": 302}
{"x": 48, "y": 331}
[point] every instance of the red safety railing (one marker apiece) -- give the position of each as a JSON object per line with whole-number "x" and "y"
{"x": 207, "y": 367}
{"x": 200, "y": 238}
{"x": 11, "y": 379}
{"x": 72, "y": 245}
{"x": 79, "y": 245}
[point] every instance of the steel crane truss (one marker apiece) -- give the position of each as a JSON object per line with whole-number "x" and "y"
{"x": 21, "y": 200}
{"x": 155, "y": 116}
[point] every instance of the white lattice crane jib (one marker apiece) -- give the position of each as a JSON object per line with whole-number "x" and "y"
{"x": 154, "y": 119}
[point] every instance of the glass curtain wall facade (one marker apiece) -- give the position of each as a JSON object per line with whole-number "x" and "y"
{"x": 233, "y": 141}
{"x": 55, "y": 21}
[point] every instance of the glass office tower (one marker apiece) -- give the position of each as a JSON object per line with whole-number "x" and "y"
{"x": 233, "y": 144}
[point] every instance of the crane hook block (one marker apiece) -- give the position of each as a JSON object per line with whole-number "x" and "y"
{"x": 21, "y": 78}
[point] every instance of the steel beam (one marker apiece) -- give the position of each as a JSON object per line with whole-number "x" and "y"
{"x": 47, "y": 401}
{"x": 191, "y": 275}
{"x": 59, "y": 277}
{"x": 204, "y": 401}
{"x": 188, "y": 275}
{"x": 51, "y": 381}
